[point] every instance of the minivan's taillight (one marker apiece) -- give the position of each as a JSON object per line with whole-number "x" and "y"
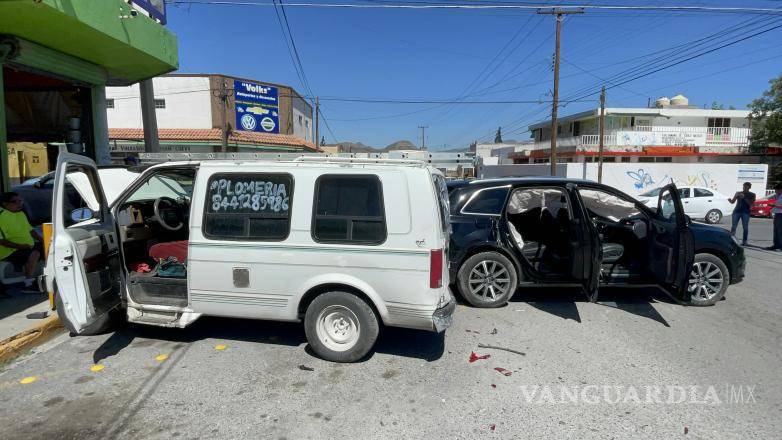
{"x": 435, "y": 268}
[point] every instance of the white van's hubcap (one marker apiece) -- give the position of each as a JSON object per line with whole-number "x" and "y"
{"x": 489, "y": 280}
{"x": 705, "y": 280}
{"x": 337, "y": 328}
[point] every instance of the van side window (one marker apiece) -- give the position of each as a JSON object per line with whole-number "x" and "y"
{"x": 349, "y": 209}
{"x": 248, "y": 206}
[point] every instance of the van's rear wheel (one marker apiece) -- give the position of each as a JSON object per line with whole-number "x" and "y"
{"x": 487, "y": 280}
{"x": 340, "y": 327}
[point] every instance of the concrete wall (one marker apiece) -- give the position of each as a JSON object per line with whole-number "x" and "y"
{"x": 635, "y": 178}
{"x": 188, "y": 103}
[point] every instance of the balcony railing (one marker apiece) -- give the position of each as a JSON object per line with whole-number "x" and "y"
{"x": 707, "y": 139}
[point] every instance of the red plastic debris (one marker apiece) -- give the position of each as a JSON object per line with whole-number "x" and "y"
{"x": 492, "y": 427}
{"x": 474, "y": 357}
{"x": 503, "y": 371}
{"x": 493, "y": 386}
{"x": 686, "y": 430}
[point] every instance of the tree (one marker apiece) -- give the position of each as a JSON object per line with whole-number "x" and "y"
{"x": 498, "y": 136}
{"x": 766, "y": 113}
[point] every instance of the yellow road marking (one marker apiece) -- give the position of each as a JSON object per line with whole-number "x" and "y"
{"x": 97, "y": 367}
{"x": 28, "y": 379}
{"x": 161, "y": 357}
{"x": 220, "y": 347}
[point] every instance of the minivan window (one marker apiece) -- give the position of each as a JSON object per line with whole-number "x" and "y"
{"x": 487, "y": 202}
{"x": 349, "y": 209}
{"x": 248, "y": 206}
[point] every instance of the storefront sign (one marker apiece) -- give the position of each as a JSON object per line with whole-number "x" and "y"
{"x": 661, "y": 138}
{"x": 257, "y": 107}
{"x": 155, "y": 8}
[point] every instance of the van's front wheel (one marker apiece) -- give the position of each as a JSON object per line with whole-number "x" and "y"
{"x": 340, "y": 327}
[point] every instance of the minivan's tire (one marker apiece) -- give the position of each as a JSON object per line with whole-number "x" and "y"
{"x": 487, "y": 280}
{"x": 709, "y": 279}
{"x": 714, "y": 216}
{"x": 340, "y": 327}
{"x": 103, "y": 324}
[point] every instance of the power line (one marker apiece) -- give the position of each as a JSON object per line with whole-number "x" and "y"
{"x": 499, "y": 6}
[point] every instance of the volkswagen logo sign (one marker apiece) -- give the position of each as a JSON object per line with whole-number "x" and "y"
{"x": 248, "y": 122}
{"x": 268, "y": 124}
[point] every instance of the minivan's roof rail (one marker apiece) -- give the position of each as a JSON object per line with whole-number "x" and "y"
{"x": 437, "y": 160}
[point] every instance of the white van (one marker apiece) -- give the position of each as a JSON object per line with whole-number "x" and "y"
{"x": 340, "y": 244}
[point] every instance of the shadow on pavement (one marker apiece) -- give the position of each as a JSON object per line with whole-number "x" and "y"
{"x": 417, "y": 344}
{"x": 561, "y": 301}
{"x": 19, "y": 301}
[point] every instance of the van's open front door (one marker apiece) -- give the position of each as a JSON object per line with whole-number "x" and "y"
{"x": 585, "y": 244}
{"x": 671, "y": 252}
{"x": 86, "y": 251}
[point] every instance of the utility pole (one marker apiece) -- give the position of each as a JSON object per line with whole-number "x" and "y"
{"x": 560, "y": 13}
{"x": 317, "y": 122}
{"x": 423, "y": 136}
{"x": 601, "y": 140}
{"x": 223, "y": 118}
{"x": 149, "y": 117}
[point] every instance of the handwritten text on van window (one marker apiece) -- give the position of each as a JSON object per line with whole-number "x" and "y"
{"x": 255, "y": 195}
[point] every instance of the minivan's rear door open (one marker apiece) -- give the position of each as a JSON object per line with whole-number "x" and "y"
{"x": 85, "y": 247}
{"x": 671, "y": 251}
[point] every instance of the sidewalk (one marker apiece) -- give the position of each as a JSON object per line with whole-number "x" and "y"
{"x": 23, "y": 313}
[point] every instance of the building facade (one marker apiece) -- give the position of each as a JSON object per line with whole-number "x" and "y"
{"x": 56, "y": 58}
{"x": 671, "y": 131}
{"x": 192, "y": 110}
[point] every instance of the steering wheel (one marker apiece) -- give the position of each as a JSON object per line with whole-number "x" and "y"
{"x": 166, "y": 209}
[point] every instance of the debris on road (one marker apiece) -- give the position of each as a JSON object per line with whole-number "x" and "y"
{"x": 503, "y": 371}
{"x": 492, "y": 427}
{"x": 494, "y": 332}
{"x": 472, "y": 331}
{"x": 305, "y": 368}
{"x": 493, "y": 386}
{"x": 686, "y": 430}
{"x": 474, "y": 357}
{"x": 495, "y": 347}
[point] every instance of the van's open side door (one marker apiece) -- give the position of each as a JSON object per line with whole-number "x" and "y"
{"x": 587, "y": 251}
{"x": 86, "y": 257}
{"x": 672, "y": 252}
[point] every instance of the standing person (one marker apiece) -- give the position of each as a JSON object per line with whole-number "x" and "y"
{"x": 776, "y": 214}
{"x": 743, "y": 200}
{"x": 20, "y": 244}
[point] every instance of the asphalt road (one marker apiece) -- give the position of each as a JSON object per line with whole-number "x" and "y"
{"x": 703, "y": 373}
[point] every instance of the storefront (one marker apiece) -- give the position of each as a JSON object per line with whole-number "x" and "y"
{"x": 57, "y": 58}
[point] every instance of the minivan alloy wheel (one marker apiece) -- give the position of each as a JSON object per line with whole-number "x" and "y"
{"x": 706, "y": 280}
{"x": 489, "y": 280}
{"x": 338, "y": 328}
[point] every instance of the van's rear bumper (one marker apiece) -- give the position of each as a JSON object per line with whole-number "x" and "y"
{"x": 442, "y": 318}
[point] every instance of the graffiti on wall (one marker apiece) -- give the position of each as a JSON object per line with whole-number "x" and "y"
{"x": 642, "y": 179}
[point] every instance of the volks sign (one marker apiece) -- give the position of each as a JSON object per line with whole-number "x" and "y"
{"x": 257, "y": 107}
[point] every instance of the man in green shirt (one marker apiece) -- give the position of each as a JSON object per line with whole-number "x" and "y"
{"x": 20, "y": 244}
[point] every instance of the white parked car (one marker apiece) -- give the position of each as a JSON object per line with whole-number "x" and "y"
{"x": 342, "y": 245}
{"x": 699, "y": 203}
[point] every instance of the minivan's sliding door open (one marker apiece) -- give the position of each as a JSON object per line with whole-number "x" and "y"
{"x": 86, "y": 250}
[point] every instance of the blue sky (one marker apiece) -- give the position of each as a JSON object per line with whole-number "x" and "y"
{"x": 436, "y": 55}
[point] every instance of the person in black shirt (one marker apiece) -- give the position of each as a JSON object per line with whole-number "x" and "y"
{"x": 743, "y": 200}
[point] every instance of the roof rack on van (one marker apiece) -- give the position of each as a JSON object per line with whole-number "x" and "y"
{"x": 360, "y": 160}
{"x": 437, "y": 160}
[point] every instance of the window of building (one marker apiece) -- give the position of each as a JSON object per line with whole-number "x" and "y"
{"x": 349, "y": 209}
{"x": 625, "y": 159}
{"x": 160, "y": 103}
{"x": 559, "y": 129}
{"x": 700, "y": 192}
{"x": 719, "y": 122}
{"x": 301, "y": 119}
{"x": 609, "y": 159}
{"x": 541, "y": 160}
{"x": 590, "y": 159}
{"x": 110, "y": 103}
{"x": 664, "y": 159}
{"x": 488, "y": 201}
{"x": 248, "y": 206}
{"x": 645, "y": 159}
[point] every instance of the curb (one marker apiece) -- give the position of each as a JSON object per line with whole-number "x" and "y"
{"x": 13, "y": 346}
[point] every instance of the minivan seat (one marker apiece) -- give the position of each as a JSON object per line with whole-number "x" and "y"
{"x": 176, "y": 249}
{"x": 612, "y": 252}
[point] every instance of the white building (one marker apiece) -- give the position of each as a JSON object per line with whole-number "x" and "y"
{"x": 191, "y": 115}
{"x": 671, "y": 131}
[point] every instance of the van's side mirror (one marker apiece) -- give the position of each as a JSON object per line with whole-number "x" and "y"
{"x": 81, "y": 214}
